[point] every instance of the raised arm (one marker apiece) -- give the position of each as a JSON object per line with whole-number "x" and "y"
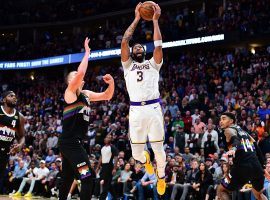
{"x": 158, "y": 54}
{"x": 106, "y": 95}
{"x": 75, "y": 79}
{"x": 125, "y": 54}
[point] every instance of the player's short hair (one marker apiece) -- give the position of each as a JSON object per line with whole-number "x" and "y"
{"x": 6, "y": 93}
{"x": 67, "y": 76}
{"x": 230, "y": 115}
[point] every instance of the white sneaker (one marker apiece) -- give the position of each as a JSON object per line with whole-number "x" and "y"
{"x": 13, "y": 192}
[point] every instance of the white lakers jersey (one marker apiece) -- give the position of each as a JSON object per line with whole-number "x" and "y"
{"x": 142, "y": 79}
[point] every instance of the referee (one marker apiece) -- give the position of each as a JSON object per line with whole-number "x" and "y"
{"x": 108, "y": 161}
{"x": 76, "y": 116}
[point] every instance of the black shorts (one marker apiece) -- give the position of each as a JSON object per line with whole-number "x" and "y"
{"x": 75, "y": 159}
{"x": 3, "y": 162}
{"x": 240, "y": 175}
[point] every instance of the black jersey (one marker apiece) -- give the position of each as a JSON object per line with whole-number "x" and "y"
{"x": 246, "y": 151}
{"x": 9, "y": 125}
{"x": 75, "y": 119}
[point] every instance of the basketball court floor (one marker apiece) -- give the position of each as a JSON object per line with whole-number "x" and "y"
{"x": 6, "y": 197}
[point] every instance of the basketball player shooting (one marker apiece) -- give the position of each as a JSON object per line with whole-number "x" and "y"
{"x": 246, "y": 166}
{"x": 11, "y": 127}
{"x": 145, "y": 115}
{"x": 76, "y": 117}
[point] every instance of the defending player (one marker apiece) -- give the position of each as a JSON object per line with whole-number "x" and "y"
{"x": 75, "y": 126}
{"x": 11, "y": 127}
{"x": 246, "y": 166}
{"x": 145, "y": 115}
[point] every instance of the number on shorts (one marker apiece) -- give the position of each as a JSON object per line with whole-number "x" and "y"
{"x": 247, "y": 145}
{"x": 140, "y": 74}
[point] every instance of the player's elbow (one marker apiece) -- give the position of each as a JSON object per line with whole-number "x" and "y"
{"x": 108, "y": 97}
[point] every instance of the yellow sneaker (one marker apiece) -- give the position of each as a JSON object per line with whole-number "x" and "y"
{"x": 161, "y": 186}
{"x": 148, "y": 165}
{"x": 28, "y": 194}
{"x": 17, "y": 194}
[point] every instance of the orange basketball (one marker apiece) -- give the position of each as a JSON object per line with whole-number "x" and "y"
{"x": 146, "y": 10}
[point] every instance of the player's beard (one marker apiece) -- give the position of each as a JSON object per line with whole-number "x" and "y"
{"x": 11, "y": 105}
{"x": 140, "y": 58}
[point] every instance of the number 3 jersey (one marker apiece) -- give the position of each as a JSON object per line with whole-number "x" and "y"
{"x": 9, "y": 125}
{"x": 142, "y": 79}
{"x": 246, "y": 151}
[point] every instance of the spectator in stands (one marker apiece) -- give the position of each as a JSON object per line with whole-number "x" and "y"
{"x": 203, "y": 181}
{"x": 123, "y": 180}
{"x": 176, "y": 176}
{"x": 179, "y": 138}
{"x": 210, "y": 130}
{"x": 209, "y": 146}
{"x": 50, "y": 157}
{"x": 17, "y": 177}
{"x": 50, "y": 179}
{"x": 136, "y": 177}
{"x": 148, "y": 183}
{"x": 263, "y": 111}
{"x": 39, "y": 174}
{"x": 191, "y": 140}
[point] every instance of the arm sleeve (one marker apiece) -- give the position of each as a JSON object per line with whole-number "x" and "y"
{"x": 154, "y": 64}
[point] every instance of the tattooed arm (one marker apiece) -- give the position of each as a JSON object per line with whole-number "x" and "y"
{"x": 128, "y": 34}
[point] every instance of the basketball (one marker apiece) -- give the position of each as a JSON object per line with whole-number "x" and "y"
{"x": 147, "y": 11}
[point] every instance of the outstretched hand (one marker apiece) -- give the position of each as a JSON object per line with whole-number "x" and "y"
{"x": 108, "y": 79}
{"x": 137, "y": 11}
{"x": 16, "y": 148}
{"x": 157, "y": 12}
{"x": 86, "y": 45}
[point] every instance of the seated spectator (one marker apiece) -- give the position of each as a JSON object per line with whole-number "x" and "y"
{"x": 39, "y": 175}
{"x": 148, "y": 184}
{"x": 17, "y": 176}
{"x": 124, "y": 179}
{"x": 50, "y": 157}
{"x": 136, "y": 177}
{"x": 176, "y": 176}
{"x": 189, "y": 180}
{"x": 187, "y": 155}
{"x": 203, "y": 181}
{"x": 49, "y": 181}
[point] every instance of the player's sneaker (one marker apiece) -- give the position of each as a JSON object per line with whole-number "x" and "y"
{"x": 17, "y": 194}
{"x": 28, "y": 194}
{"x": 148, "y": 165}
{"x": 161, "y": 186}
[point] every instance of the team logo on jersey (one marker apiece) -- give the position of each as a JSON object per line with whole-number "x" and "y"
{"x": 86, "y": 113}
{"x": 7, "y": 134}
{"x": 84, "y": 171}
{"x": 140, "y": 67}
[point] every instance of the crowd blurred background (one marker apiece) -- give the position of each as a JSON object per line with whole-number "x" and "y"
{"x": 196, "y": 86}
